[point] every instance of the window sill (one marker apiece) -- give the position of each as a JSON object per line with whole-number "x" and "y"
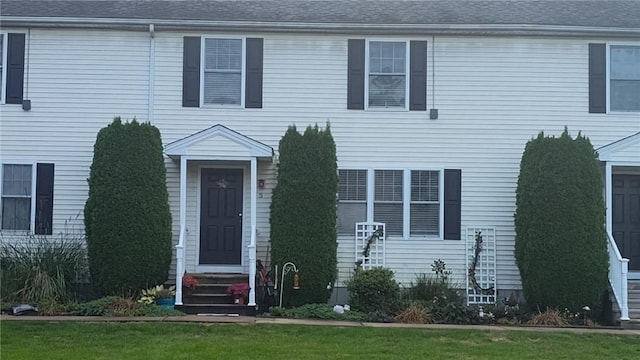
{"x": 387, "y": 109}
{"x": 624, "y": 113}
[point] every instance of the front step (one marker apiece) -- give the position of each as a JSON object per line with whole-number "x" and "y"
{"x": 210, "y": 296}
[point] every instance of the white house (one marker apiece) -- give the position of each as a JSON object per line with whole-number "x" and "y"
{"x": 430, "y": 104}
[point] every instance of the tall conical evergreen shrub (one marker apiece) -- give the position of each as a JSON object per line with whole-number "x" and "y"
{"x": 127, "y": 218}
{"x": 560, "y": 246}
{"x": 303, "y": 213}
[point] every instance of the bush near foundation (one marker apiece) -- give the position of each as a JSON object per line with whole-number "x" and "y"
{"x": 127, "y": 218}
{"x": 303, "y": 214}
{"x": 560, "y": 246}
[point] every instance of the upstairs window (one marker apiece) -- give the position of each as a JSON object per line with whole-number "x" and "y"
{"x": 624, "y": 78}
{"x": 387, "y": 75}
{"x": 222, "y": 71}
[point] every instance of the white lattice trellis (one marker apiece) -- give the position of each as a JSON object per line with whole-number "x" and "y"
{"x": 484, "y": 289}
{"x": 364, "y": 232}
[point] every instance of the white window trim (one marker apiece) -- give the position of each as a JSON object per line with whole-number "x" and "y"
{"x": 32, "y": 220}
{"x": 406, "y": 199}
{"x": 608, "y": 77}
{"x": 3, "y": 82}
{"x": 407, "y": 75}
{"x": 243, "y": 71}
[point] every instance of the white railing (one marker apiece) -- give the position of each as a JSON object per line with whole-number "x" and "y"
{"x": 618, "y": 269}
{"x": 180, "y": 266}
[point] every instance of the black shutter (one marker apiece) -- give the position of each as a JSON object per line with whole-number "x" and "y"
{"x": 15, "y": 68}
{"x": 191, "y": 72}
{"x": 597, "y": 78}
{"x": 418, "y": 76}
{"x": 253, "y": 79}
{"x": 44, "y": 199}
{"x": 452, "y": 202}
{"x": 355, "y": 79}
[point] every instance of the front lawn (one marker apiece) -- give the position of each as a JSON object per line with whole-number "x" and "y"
{"x": 68, "y": 341}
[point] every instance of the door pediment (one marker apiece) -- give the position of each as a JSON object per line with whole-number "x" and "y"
{"x": 218, "y": 142}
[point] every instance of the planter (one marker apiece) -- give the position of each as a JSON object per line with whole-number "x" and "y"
{"x": 238, "y": 299}
{"x": 166, "y": 303}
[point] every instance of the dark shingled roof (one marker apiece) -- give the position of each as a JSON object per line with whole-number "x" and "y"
{"x": 579, "y": 13}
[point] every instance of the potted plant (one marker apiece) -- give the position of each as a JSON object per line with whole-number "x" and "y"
{"x": 238, "y": 292}
{"x": 163, "y": 297}
{"x": 189, "y": 284}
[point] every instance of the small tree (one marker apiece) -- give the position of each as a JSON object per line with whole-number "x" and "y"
{"x": 303, "y": 212}
{"x": 127, "y": 218}
{"x": 560, "y": 246}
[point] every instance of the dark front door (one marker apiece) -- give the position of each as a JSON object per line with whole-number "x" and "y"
{"x": 221, "y": 217}
{"x": 626, "y": 217}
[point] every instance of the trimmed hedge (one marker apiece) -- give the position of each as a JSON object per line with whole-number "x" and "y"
{"x": 127, "y": 218}
{"x": 374, "y": 291}
{"x": 560, "y": 246}
{"x": 303, "y": 213}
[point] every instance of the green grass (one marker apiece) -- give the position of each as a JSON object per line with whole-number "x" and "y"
{"x": 69, "y": 340}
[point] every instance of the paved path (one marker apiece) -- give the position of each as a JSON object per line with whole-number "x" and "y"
{"x": 248, "y": 320}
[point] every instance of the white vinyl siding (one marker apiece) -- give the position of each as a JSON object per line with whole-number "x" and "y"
{"x": 222, "y": 70}
{"x": 352, "y": 200}
{"x": 624, "y": 77}
{"x": 17, "y": 193}
{"x": 387, "y": 80}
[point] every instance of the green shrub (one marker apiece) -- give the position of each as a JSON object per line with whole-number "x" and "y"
{"x": 374, "y": 291}
{"x": 318, "y": 311}
{"x": 303, "y": 213}
{"x": 127, "y": 218}
{"x": 428, "y": 288}
{"x": 560, "y": 246}
{"x": 121, "y": 306}
{"x": 41, "y": 270}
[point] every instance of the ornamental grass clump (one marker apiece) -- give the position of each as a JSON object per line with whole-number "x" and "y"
{"x": 42, "y": 269}
{"x": 549, "y": 317}
{"x": 414, "y": 314}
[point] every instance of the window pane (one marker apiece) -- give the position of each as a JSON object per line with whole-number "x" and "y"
{"x": 222, "y": 88}
{"x": 16, "y": 180}
{"x": 387, "y": 57}
{"x": 223, "y": 54}
{"x": 16, "y": 213}
{"x": 391, "y": 215}
{"x": 352, "y": 185}
{"x": 388, "y": 185}
{"x": 424, "y": 186}
{"x": 386, "y": 90}
{"x": 625, "y": 63}
{"x": 425, "y": 219}
{"x": 388, "y": 200}
{"x": 348, "y": 215}
{"x": 625, "y": 95}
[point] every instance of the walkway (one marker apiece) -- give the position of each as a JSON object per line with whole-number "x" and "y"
{"x": 249, "y": 320}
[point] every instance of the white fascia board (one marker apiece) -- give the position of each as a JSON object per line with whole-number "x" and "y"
{"x": 605, "y": 153}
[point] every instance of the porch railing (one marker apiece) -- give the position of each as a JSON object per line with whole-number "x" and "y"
{"x": 618, "y": 269}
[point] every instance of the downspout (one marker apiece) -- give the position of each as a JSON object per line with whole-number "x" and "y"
{"x": 152, "y": 65}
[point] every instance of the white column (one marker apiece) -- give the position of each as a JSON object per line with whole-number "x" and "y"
{"x": 608, "y": 178}
{"x": 624, "y": 307}
{"x": 252, "y": 244}
{"x": 183, "y": 222}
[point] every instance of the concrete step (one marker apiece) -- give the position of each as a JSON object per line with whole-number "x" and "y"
{"x": 241, "y": 310}
{"x": 220, "y": 278}
{"x": 633, "y": 284}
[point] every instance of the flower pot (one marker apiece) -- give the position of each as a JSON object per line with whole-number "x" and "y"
{"x": 166, "y": 303}
{"x": 238, "y": 300}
